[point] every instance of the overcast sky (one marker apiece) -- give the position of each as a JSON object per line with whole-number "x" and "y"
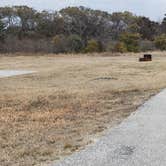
{"x": 155, "y": 9}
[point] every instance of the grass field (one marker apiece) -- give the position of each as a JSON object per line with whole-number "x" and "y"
{"x": 69, "y": 102}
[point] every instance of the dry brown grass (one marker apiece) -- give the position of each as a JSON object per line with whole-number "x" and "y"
{"x": 69, "y": 102}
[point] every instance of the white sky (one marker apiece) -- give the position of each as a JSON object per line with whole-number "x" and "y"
{"x": 155, "y": 9}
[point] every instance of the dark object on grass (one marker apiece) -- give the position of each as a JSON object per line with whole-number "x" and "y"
{"x": 104, "y": 78}
{"x": 147, "y": 57}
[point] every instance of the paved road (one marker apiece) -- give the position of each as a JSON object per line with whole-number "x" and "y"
{"x": 139, "y": 141}
{"x": 9, "y": 73}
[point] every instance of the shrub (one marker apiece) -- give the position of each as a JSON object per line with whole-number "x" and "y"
{"x": 146, "y": 45}
{"x": 110, "y": 46}
{"x": 60, "y": 43}
{"x": 131, "y": 40}
{"x": 100, "y": 46}
{"x": 120, "y": 47}
{"x": 93, "y": 46}
{"x": 75, "y": 43}
{"x": 160, "y": 42}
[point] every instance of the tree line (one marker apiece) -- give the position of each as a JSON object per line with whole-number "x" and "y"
{"x": 78, "y": 29}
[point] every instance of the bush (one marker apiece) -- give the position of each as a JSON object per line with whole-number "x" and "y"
{"x": 160, "y": 42}
{"x": 13, "y": 44}
{"x": 131, "y": 40}
{"x": 60, "y": 43}
{"x": 146, "y": 45}
{"x": 110, "y": 46}
{"x": 75, "y": 43}
{"x": 120, "y": 47}
{"x": 93, "y": 46}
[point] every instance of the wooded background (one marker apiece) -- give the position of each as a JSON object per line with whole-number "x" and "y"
{"x": 78, "y": 29}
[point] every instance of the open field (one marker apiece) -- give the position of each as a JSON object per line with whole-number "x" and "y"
{"x": 70, "y": 101}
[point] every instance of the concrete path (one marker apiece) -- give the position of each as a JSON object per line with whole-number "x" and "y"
{"x": 138, "y": 141}
{"x": 9, "y": 73}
